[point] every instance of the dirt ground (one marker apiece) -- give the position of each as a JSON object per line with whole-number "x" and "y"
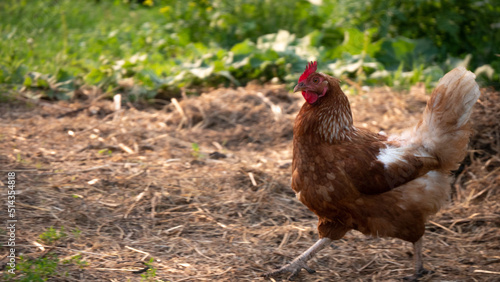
{"x": 202, "y": 186}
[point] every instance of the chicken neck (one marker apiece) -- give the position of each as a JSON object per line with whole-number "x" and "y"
{"x": 331, "y": 119}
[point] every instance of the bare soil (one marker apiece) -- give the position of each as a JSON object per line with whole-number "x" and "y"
{"x": 202, "y": 186}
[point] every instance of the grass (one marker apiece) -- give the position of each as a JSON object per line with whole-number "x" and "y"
{"x": 47, "y": 265}
{"x": 39, "y": 269}
{"x": 51, "y": 49}
{"x": 71, "y": 34}
{"x": 150, "y": 274}
{"x": 52, "y": 235}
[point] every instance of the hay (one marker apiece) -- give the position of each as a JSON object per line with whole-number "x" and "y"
{"x": 136, "y": 187}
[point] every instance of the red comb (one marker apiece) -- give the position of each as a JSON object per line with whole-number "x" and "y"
{"x": 311, "y": 68}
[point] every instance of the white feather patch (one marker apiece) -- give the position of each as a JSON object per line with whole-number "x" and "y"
{"x": 390, "y": 155}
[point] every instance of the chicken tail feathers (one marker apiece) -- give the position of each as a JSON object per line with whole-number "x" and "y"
{"x": 444, "y": 130}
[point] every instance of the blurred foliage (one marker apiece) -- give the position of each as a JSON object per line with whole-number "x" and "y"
{"x": 50, "y": 48}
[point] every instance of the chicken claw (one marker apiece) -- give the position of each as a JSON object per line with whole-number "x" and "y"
{"x": 300, "y": 262}
{"x": 294, "y": 268}
{"x": 421, "y": 273}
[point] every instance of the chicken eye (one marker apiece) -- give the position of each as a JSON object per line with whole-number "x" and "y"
{"x": 315, "y": 80}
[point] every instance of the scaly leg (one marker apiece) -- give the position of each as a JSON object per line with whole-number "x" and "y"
{"x": 419, "y": 263}
{"x": 300, "y": 262}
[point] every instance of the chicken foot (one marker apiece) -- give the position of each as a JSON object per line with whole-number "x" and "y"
{"x": 419, "y": 263}
{"x": 300, "y": 262}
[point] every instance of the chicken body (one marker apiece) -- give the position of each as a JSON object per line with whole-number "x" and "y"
{"x": 382, "y": 186}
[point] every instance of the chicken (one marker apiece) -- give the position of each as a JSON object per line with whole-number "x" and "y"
{"x": 354, "y": 179}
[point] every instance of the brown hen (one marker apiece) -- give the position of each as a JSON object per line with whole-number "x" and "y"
{"x": 382, "y": 186}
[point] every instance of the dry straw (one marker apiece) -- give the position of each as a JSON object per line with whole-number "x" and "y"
{"x": 130, "y": 185}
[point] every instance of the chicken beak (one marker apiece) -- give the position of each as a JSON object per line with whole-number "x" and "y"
{"x": 299, "y": 87}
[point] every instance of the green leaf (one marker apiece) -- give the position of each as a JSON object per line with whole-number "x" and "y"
{"x": 352, "y": 44}
{"x": 42, "y": 83}
{"x": 95, "y": 76}
{"x": 395, "y": 51}
{"x": 27, "y": 81}
{"x": 228, "y": 75}
{"x": 63, "y": 75}
{"x": 243, "y": 48}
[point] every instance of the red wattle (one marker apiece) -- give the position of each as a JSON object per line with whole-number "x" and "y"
{"x": 310, "y": 97}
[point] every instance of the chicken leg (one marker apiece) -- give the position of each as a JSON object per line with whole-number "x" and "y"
{"x": 300, "y": 262}
{"x": 419, "y": 264}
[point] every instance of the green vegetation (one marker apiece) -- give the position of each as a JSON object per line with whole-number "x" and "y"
{"x": 42, "y": 268}
{"x": 76, "y": 260}
{"x": 51, "y": 48}
{"x": 39, "y": 269}
{"x": 196, "y": 150}
{"x": 52, "y": 235}
{"x": 47, "y": 266}
{"x": 150, "y": 274}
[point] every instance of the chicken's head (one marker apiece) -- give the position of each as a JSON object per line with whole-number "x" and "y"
{"x": 313, "y": 85}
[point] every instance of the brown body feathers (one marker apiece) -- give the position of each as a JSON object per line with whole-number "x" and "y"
{"x": 355, "y": 179}
{"x": 352, "y": 178}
